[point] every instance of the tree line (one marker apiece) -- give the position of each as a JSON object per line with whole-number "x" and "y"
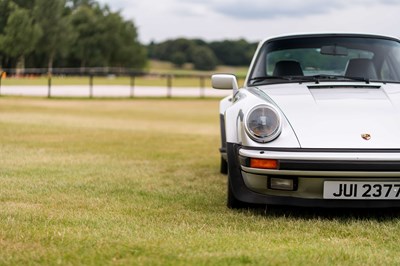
{"x": 83, "y": 33}
{"x": 66, "y": 33}
{"x": 203, "y": 55}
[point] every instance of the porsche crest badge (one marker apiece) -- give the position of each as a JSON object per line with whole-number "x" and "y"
{"x": 366, "y": 136}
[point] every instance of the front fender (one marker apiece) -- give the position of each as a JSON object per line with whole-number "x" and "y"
{"x": 235, "y": 131}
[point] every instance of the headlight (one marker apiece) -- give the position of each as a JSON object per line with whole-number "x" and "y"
{"x": 263, "y": 123}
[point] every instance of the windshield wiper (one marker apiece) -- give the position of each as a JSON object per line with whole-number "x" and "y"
{"x": 314, "y": 78}
{"x": 263, "y": 78}
{"x": 336, "y": 77}
{"x": 318, "y": 78}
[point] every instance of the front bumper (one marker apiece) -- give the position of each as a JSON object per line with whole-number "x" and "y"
{"x": 310, "y": 169}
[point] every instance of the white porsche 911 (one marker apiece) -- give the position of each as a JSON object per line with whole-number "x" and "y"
{"x": 317, "y": 123}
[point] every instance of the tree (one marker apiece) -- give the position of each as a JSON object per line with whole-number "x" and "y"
{"x": 20, "y": 35}
{"x": 74, "y": 4}
{"x": 86, "y": 49}
{"x": 121, "y": 34}
{"x": 105, "y": 39}
{"x": 204, "y": 58}
{"x": 178, "y": 59}
{"x": 234, "y": 53}
{"x": 165, "y": 50}
{"x": 67, "y": 32}
{"x": 228, "y": 52}
{"x": 57, "y": 31}
{"x": 4, "y": 14}
{"x": 132, "y": 53}
{"x": 27, "y": 4}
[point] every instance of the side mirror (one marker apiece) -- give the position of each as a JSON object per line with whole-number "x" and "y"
{"x": 224, "y": 82}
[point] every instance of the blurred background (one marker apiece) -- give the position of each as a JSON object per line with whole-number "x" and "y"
{"x": 169, "y": 36}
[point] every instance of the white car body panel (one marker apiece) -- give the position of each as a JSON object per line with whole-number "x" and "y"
{"x": 224, "y": 104}
{"x": 337, "y": 117}
{"x": 235, "y": 132}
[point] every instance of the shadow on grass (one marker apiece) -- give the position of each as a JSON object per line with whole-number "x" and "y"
{"x": 308, "y": 213}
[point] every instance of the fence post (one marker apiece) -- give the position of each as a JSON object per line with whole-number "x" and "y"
{"x": 91, "y": 86}
{"x": 169, "y": 86}
{"x": 49, "y": 86}
{"x": 132, "y": 86}
{"x": 202, "y": 86}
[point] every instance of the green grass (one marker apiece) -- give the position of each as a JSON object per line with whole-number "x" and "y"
{"x": 136, "y": 182}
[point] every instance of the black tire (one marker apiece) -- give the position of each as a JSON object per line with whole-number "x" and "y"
{"x": 233, "y": 202}
{"x": 223, "y": 166}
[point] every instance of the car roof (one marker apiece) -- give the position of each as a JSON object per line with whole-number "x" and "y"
{"x": 329, "y": 34}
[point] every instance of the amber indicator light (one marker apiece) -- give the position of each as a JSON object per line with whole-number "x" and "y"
{"x": 264, "y": 163}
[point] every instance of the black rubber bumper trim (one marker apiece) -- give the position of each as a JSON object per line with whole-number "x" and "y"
{"x": 244, "y": 194}
{"x": 321, "y": 165}
{"x": 222, "y": 132}
{"x": 332, "y": 150}
{"x": 359, "y": 166}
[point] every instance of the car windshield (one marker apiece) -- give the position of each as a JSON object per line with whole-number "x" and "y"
{"x": 327, "y": 58}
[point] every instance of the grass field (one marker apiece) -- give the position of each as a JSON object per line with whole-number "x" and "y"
{"x": 136, "y": 182}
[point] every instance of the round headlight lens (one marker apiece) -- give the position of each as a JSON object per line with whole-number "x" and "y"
{"x": 263, "y": 123}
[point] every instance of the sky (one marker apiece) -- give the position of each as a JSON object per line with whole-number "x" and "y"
{"x": 254, "y": 20}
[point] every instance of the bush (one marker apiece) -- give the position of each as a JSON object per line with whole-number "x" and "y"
{"x": 178, "y": 59}
{"x": 204, "y": 58}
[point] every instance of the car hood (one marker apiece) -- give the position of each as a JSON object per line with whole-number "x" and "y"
{"x": 339, "y": 116}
